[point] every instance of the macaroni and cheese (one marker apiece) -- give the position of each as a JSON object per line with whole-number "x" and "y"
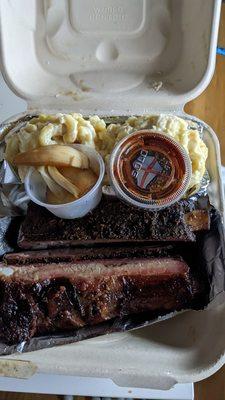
{"x": 74, "y": 128}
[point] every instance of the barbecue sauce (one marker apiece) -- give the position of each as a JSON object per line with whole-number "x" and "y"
{"x": 151, "y": 168}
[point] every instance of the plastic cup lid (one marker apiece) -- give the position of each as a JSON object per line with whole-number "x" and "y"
{"x": 150, "y": 169}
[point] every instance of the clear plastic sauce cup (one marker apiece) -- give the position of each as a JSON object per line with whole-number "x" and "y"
{"x": 149, "y": 169}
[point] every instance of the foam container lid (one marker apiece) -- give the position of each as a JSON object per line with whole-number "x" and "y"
{"x": 114, "y": 57}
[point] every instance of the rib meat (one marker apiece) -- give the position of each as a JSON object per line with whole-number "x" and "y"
{"x": 86, "y": 253}
{"x": 111, "y": 222}
{"x": 39, "y": 299}
{"x": 198, "y": 220}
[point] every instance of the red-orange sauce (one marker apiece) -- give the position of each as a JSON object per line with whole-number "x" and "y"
{"x": 149, "y": 166}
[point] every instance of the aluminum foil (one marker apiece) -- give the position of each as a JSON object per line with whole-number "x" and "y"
{"x": 206, "y": 259}
{"x": 113, "y": 326}
{"x": 13, "y": 198}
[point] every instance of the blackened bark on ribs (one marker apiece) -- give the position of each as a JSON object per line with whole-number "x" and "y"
{"x": 111, "y": 222}
{"x": 36, "y": 300}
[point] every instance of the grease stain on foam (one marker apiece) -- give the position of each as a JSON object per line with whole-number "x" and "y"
{"x": 76, "y": 96}
{"x": 157, "y": 85}
{"x": 82, "y": 85}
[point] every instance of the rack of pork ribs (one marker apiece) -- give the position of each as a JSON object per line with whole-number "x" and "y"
{"x": 115, "y": 261}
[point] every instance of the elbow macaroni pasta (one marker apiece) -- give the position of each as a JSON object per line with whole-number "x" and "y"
{"x": 71, "y": 128}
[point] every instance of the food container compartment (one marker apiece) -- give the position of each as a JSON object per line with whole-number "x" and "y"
{"x": 104, "y": 77}
{"x": 147, "y": 352}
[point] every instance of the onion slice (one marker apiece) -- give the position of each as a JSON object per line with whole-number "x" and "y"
{"x": 63, "y": 182}
{"x": 50, "y": 183}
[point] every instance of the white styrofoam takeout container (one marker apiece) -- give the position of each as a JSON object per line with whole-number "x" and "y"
{"x": 108, "y": 57}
